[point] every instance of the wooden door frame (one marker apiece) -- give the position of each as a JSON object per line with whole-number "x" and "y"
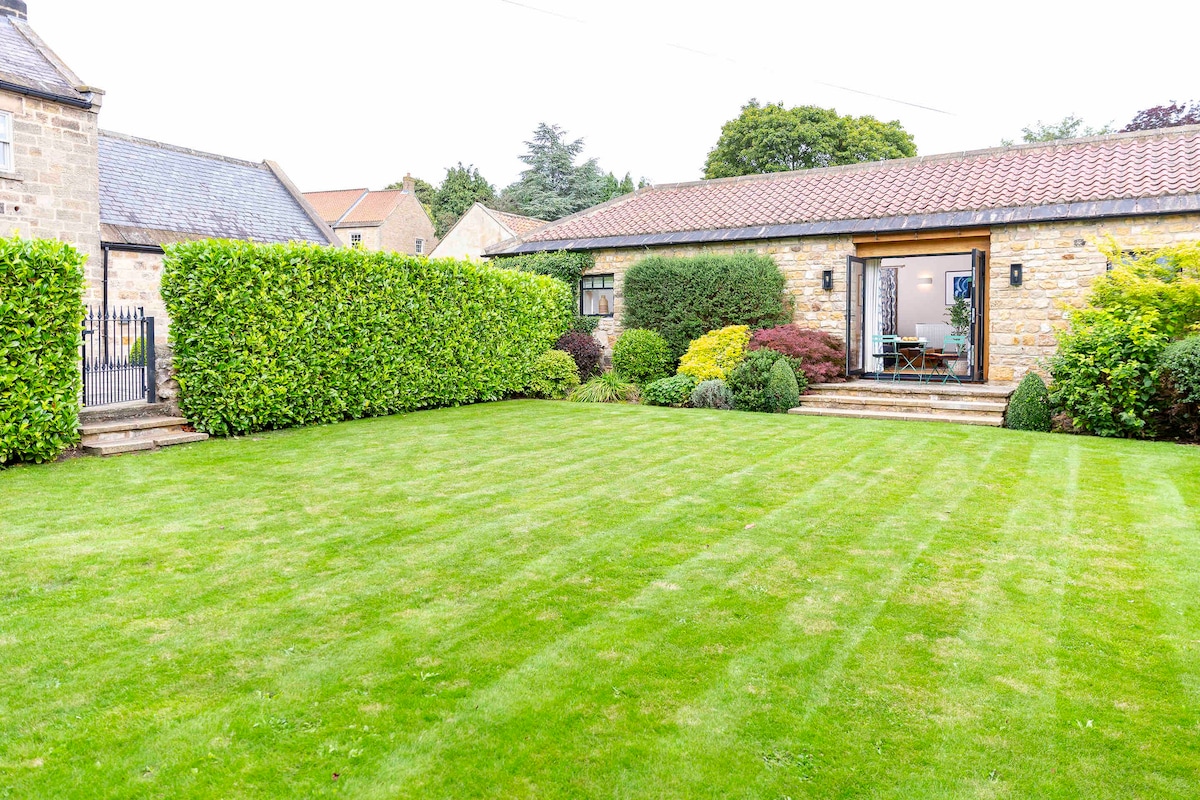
{"x": 960, "y": 241}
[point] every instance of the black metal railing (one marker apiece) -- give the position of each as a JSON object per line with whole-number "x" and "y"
{"x": 118, "y": 356}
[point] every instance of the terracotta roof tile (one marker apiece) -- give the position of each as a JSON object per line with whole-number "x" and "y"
{"x": 1120, "y": 166}
{"x": 516, "y": 223}
{"x": 332, "y": 206}
{"x": 374, "y": 208}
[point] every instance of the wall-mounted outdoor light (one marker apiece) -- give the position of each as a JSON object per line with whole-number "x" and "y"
{"x": 1015, "y": 274}
{"x": 827, "y": 280}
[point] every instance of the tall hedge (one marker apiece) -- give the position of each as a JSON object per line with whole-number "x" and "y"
{"x": 682, "y": 298}
{"x": 41, "y": 310}
{"x": 269, "y": 336}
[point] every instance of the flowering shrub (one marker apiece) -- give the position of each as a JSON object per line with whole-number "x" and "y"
{"x": 715, "y": 353}
{"x": 822, "y": 356}
{"x": 586, "y": 351}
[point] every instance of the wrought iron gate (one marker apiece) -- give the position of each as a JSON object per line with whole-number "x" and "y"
{"x": 118, "y": 356}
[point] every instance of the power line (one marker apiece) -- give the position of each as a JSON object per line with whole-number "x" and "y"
{"x": 727, "y": 59}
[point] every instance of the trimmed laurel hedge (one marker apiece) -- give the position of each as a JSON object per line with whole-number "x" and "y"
{"x": 269, "y": 336}
{"x": 41, "y": 310}
{"x": 683, "y": 298}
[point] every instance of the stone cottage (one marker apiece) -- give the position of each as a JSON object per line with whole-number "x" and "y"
{"x": 116, "y": 198}
{"x": 890, "y": 248}
{"x": 393, "y": 220}
{"x": 480, "y": 228}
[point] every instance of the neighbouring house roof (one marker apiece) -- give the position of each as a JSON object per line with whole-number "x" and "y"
{"x": 28, "y": 66}
{"x": 152, "y": 193}
{"x": 356, "y": 208}
{"x": 1117, "y": 175}
{"x": 515, "y": 223}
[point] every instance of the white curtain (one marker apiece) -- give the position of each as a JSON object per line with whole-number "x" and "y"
{"x": 872, "y": 316}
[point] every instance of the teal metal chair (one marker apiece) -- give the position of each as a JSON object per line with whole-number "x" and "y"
{"x": 948, "y": 358}
{"x": 879, "y": 350}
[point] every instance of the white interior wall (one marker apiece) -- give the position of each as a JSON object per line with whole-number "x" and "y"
{"x": 918, "y": 303}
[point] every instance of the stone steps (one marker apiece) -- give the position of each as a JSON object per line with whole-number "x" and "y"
{"x": 966, "y": 404}
{"x": 107, "y": 437}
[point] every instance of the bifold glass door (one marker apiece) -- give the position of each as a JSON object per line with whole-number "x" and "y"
{"x": 855, "y": 299}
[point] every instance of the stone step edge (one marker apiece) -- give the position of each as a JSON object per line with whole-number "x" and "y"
{"x": 995, "y": 421}
{"x": 131, "y": 424}
{"x": 141, "y": 443}
{"x": 827, "y": 401}
{"x": 912, "y": 388}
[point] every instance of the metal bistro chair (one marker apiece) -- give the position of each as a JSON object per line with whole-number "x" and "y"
{"x": 947, "y": 359}
{"x": 879, "y": 345}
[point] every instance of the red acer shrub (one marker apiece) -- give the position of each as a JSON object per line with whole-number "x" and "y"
{"x": 822, "y": 356}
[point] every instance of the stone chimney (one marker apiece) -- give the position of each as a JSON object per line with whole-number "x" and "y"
{"x": 14, "y": 8}
{"x": 410, "y": 185}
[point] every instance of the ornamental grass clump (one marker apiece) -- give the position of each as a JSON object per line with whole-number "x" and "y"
{"x": 712, "y": 393}
{"x": 715, "y": 353}
{"x": 674, "y": 391}
{"x": 607, "y": 388}
{"x": 554, "y": 375}
{"x": 641, "y": 356}
{"x": 1029, "y": 407}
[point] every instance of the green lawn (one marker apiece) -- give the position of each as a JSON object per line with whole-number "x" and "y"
{"x": 553, "y": 600}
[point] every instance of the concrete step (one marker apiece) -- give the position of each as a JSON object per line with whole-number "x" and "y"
{"x": 123, "y": 429}
{"x": 908, "y": 389}
{"x": 132, "y": 410}
{"x": 858, "y": 413}
{"x": 183, "y": 437}
{"x": 914, "y": 404}
{"x": 143, "y": 440}
{"x": 116, "y": 448}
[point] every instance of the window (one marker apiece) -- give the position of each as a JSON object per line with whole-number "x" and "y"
{"x": 596, "y": 295}
{"x": 6, "y": 141}
{"x": 420, "y": 246}
{"x": 356, "y": 240}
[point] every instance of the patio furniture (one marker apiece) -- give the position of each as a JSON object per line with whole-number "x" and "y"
{"x": 879, "y": 350}
{"x": 912, "y": 355}
{"x": 947, "y": 359}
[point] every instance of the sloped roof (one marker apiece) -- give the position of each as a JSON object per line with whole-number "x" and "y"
{"x": 26, "y": 63}
{"x": 151, "y": 186}
{"x": 332, "y": 206}
{"x": 1120, "y": 174}
{"x": 373, "y": 208}
{"x": 516, "y": 223}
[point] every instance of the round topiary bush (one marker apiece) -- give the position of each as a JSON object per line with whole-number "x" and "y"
{"x": 1029, "y": 407}
{"x": 673, "y": 391}
{"x": 586, "y": 351}
{"x": 715, "y": 353}
{"x": 783, "y": 387}
{"x": 750, "y": 382}
{"x": 712, "y": 393}
{"x": 554, "y": 374}
{"x": 641, "y": 356}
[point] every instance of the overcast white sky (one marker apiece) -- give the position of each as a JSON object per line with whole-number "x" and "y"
{"x": 349, "y": 93}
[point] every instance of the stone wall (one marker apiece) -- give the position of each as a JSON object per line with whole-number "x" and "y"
{"x": 134, "y": 280}
{"x": 407, "y": 223}
{"x": 53, "y": 191}
{"x": 1060, "y": 262}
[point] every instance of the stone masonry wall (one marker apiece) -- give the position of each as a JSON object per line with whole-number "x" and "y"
{"x": 1060, "y": 262}
{"x": 134, "y": 280}
{"x": 407, "y": 223}
{"x": 53, "y": 191}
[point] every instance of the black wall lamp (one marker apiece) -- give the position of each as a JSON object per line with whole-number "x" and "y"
{"x": 827, "y": 280}
{"x": 1015, "y": 274}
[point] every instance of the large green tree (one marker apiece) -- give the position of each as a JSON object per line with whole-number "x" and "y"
{"x": 462, "y": 187}
{"x": 771, "y": 138}
{"x": 553, "y": 185}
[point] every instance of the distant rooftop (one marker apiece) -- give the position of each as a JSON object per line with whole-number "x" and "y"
{"x": 344, "y": 208}
{"x": 1154, "y": 172}
{"x": 150, "y": 189}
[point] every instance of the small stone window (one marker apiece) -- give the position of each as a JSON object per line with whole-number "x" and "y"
{"x": 420, "y": 246}
{"x": 597, "y": 295}
{"x": 6, "y": 141}
{"x": 356, "y": 241}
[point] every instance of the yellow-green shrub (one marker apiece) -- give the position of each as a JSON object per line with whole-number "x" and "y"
{"x": 715, "y": 353}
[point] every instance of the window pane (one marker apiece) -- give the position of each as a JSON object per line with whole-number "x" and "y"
{"x": 608, "y": 281}
{"x": 5, "y": 156}
{"x": 5, "y": 127}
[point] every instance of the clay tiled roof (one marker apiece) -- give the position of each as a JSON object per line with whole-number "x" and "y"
{"x": 374, "y": 208}
{"x": 1154, "y": 172}
{"x": 516, "y": 223}
{"x": 332, "y": 206}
